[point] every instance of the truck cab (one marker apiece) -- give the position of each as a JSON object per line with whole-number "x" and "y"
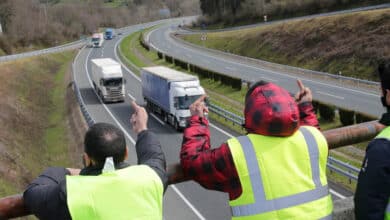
{"x": 109, "y": 34}
{"x": 183, "y": 95}
{"x": 97, "y": 40}
{"x": 108, "y": 80}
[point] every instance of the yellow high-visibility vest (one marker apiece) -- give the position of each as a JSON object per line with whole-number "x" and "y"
{"x": 135, "y": 192}
{"x": 282, "y": 177}
{"x": 385, "y": 133}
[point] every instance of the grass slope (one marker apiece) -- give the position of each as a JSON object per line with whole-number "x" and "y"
{"x": 350, "y": 44}
{"x": 35, "y": 133}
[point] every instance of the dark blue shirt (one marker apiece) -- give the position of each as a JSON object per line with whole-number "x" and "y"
{"x": 373, "y": 188}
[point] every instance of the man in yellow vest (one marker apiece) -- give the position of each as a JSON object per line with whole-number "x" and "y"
{"x": 107, "y": 188}
{"x": 276, "y": 171}
{"x": 372, "y": 197}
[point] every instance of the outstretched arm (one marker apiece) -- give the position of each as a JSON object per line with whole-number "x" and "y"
{"x": 212, "y": 168}
{"x": 45, "y": 197}
{"x": 148, "y": 147}
{"x": 304, "y": 99}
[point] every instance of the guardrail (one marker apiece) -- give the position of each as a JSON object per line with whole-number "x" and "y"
{"x": 68, "y": 46}
{"x": 281, "y": 67}
{"x": 343, "y": 168}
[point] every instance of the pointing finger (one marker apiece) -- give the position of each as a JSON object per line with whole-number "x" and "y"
{"x": 300, "y": 85}
{"x": 200, "y": 99}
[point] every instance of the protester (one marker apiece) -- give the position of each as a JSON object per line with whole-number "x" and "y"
{"x": 373, "y": 188}
{"x": 102, "y": 191}
{"x": 276, "y": 171}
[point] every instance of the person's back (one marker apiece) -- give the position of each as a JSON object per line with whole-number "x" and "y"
{"x": 112, "y": 195}
{"x": 277, "y": 171}
{"x": 372, "y": 196}
{"x": 118, "y": 191}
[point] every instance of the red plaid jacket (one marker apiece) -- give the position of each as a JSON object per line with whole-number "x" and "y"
{"x": 214, "y": 168}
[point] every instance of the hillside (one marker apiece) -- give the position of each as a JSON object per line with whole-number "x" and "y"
{"x": 34, "y": 24}
{"x": 36, "y": 115}
{"x": 350, "y": 44}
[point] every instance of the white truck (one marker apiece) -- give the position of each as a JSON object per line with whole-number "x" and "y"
{"x": 97, "y": 40}
{"x": 170, "y": 93}
{"x": 108, "y": 80}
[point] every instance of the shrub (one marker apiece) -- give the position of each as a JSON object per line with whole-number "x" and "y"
{"x": 327, "y": 112}
{"x": 347, "y": 117}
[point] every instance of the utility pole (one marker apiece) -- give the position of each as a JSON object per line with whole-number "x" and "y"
{"x": 1, "y": 29}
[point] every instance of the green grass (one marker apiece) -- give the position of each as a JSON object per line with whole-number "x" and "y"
{"x": 37, "y": 134}
{"x": 323, "y": 44}
{"x": 56, "y": 138}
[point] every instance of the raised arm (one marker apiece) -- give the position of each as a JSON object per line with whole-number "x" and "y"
{"x": 148, "y": 147}
{"x": 304, "y": 99}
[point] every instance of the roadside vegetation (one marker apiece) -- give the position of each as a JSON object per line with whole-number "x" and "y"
{"x": 348, "y": 44}
{"x": 36, "y": 24}
{"x": 221, "y": 14}
{"x": 34, "y": 112}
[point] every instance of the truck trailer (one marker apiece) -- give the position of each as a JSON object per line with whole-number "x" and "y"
{"x": 169, "y": 93}
{"x": 108, "y": 80}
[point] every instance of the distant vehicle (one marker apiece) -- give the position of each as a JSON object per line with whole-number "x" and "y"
{"x": 108, "y": 81}
{"x": 170, "y": 93}
{"x": 97, "y": 40}
{"x": 109, "y": 34}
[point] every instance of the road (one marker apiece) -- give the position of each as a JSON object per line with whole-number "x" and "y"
{"x": 335, "y": 92}
{"x": 182, "y": 201}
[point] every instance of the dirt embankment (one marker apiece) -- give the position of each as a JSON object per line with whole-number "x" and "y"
{"x": 39, "y": 115}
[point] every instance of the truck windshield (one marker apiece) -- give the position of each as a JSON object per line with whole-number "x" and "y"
{"x": 113, "y": 82}
{"x": 95, "y": 39}
{"x": 184, "y": 102}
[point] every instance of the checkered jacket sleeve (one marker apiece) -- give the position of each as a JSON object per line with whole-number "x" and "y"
{"x": 212, "y": 168}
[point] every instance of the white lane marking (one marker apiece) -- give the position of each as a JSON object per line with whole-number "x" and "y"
{"x": 197, "y": 213}
{"x": 155, "y": 117}
{"x": 281, "y": 74}
{"x": 131, "y": 97}
{"x": 200, "y": 216}
{"x": 328, "y": 94}
{"x": 230, "y": 68}
{"x": 268, "y": 79}
{"x": 206, "y": 61}
{"x": 337, "y": 194}
{"x": 108, "y": 111}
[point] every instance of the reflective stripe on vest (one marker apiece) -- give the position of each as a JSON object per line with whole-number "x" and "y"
{"x": 261, "y": 204}
{"x": 131, "y": 193}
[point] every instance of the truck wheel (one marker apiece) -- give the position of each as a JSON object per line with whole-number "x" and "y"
{"x": 176, "y": 125}
{"x": 101, "y": 96}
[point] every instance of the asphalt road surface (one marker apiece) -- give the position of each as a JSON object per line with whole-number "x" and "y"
{"x": 182, "y": 201}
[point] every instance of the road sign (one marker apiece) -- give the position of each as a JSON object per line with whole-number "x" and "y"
{"x": 203, "y": 37}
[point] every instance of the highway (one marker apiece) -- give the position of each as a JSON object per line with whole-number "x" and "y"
{"x": 333, "y": 91}
{"x": 182, "y": 201}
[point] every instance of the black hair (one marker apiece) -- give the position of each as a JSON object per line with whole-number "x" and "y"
{"x": 253, "y": 87}
{"x": 105, "y": 140}
{"x": 384, "y": 75}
